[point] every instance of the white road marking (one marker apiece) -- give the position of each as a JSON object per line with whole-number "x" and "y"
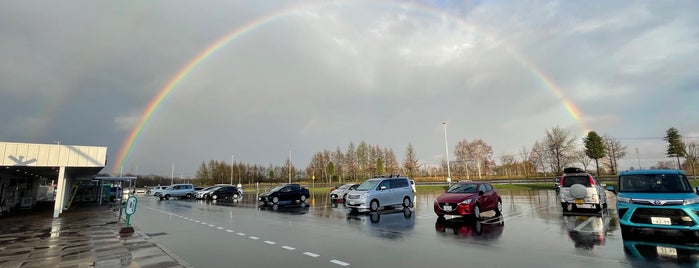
{"x": 311, "y": 254}
{"x": 254, "y": 238}
{"x": 341, "y": 263}
{"x": 220, "y": 228}
{"x": 230, "y": 231}
{"x": 270, "y": 242}
{"x": 241, "y": 234}
{"x": 288, "y": 248}
{"x": 196, "y": 221}
{"x": 211, "y": 225}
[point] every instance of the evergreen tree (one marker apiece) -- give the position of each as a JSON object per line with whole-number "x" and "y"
{"x": 594, "y": 147}
{"x": 675, "y": 145}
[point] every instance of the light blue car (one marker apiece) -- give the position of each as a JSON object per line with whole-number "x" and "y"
{"x": 656, "y": 200}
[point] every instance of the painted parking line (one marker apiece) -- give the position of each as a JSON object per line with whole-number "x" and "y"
{"x": 270, "y": 242}
{"x": 230, "y": 231}
{"x": 220, "y": 228}
{"x": 241, "y": 234}
{"x": 311, "y": 254}
{"x": 288, "y": 248}
{"x": 254, "y": 238}
{"x": 211, "y": 225}
{"x": 341, "y": 263}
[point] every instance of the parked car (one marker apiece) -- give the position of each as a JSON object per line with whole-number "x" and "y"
{"x": 224, "y": 192}
{"x": 468, "y": 198}
{"x": 581, "y": 190}
{"x": 179, "y": 191}
{"x": 656, "y": 200}
{"x": 285, "y": 194}
{"x": 140, "y": 190}
{"x": 158, "y": 190}
{"x": 381, "y": 192}
{"x": 340, "y": 193}
{"x": 203, "y": 193}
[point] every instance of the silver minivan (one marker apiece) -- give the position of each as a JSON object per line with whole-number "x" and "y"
{"x": 381, "y": 192}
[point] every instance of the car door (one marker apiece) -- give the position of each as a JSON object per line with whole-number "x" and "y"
{"x": 484, "y": 200}
{"x": 384, "y": 195}
{"x": 286, "y": 193}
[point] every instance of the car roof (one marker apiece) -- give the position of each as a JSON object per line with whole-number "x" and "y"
{"x": 651, "y": 171}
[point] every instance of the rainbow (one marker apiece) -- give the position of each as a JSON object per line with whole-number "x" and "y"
{"x": 184, "y": 72}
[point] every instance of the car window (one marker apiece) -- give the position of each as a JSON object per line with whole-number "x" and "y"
{"x": 482, "y": 188}
{"x": 571, "y": 180}
{"x": 399, "y": 183}
{"x": 386, "y": 183}
{"x": 286, "y": 189}
{"x": 488, "y": 187}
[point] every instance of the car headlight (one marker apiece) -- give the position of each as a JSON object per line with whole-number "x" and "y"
{"x": 466, "y": 202}
{"x": 364, "y": 195}
{"x": 691, "y": 201}
{"x": 623, "y": 200}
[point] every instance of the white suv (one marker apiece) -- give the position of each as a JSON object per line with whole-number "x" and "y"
{"x": 581, "y": 190}
{"x": 179, "y": 191}
{"x": 381, "y": 192}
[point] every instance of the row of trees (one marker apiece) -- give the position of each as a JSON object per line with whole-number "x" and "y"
{"x": 559, "y": 148}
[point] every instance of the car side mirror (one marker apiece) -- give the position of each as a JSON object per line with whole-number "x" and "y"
{"x": 611, "y": 189}
{"x": 697, "y": 190}
{"x": 481, "y": 193}
{"x": 383, "y": 188}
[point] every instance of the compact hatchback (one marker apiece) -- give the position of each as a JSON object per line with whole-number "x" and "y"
{"x": 656, "y": 200}
{"x": 581, "y": 190}
{"x": 340, "y": 193}
{"x": 468, "y": 198}
{"x": 381, "y": 192}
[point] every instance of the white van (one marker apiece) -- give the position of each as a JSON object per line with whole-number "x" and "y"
{"x": 381, "y": 192}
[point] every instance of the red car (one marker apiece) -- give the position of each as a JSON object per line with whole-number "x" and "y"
{"x": 468, "y": 198}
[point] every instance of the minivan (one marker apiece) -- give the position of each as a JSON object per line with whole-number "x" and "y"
{"x": 381, "y": 192}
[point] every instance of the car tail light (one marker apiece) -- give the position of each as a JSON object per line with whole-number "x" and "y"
{"x": 592, "y": 182}
{"x": 562, "y": 181}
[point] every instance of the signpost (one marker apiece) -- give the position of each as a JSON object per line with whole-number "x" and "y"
{"x": 130, "y": 210}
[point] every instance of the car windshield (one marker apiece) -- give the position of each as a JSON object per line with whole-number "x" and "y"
{"x": 463, "y": 188}
{"x": 344, "y": 186}
{"x": 654, "y": 183}
{"x": 368, "y": 185}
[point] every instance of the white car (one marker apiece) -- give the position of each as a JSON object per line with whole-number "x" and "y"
{"x": 158, "y": 190}
{"x": 381, "y": 192}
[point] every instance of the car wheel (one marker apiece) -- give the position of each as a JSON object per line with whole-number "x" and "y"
{"x": 189, "y": 196}
{"x": 275, "y": 200}
{"x": 406, "y": 202}
{"x": 374, "y": 205}
{"x": 498, "y": 209}
{"x": 214, "y": 197}
{"x": 477, "y": 211}
{"x": 167, "y": 197}
{"x": 303, "y": 199}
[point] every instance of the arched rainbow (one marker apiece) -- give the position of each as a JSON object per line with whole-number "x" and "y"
{"x": 153, "y": 105}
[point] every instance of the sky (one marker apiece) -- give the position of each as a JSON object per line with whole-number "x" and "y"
{"x": 166, "y": 85}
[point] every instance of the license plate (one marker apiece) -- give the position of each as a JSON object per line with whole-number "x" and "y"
{"x": 579, "y": 201}
{"x": 667, "y": 252}
{"x": 447, "y": 207}
{"x": 660, "y": 220}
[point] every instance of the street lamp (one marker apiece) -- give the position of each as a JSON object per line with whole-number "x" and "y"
{"x": 232, "y": 159}
{"x": 446, "y": 149}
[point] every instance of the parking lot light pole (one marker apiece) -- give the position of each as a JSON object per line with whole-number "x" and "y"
{"x": 232, "y": 159}
{"x": 446, "y": 149}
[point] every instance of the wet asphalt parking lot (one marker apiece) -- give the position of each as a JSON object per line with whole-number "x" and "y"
{"x": 531, "y": 232}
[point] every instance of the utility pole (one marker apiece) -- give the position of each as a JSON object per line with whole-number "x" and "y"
{"x": 446, "y": 149}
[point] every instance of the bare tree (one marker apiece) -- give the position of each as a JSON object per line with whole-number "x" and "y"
{"x": 463, "y": 156}
{"x": 560, "y": 145}
{"x": 411, "y": 164}
{"x": 581, "y": 157}
{"x": 524, "y": 159}
{"x": 508, "y": 163}
{"x": 692, "y": 156}
{"x": 613, "y": 151}
{"x": 538, "y": 156}
{"x": 482, "y": 154}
